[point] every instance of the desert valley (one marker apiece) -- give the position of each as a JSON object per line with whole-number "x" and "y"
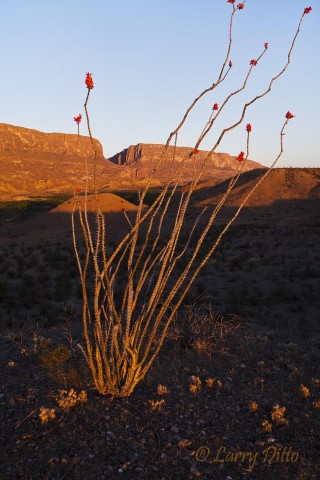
{"x": 247, "y": 333}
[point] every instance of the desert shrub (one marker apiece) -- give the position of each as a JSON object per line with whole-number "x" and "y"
{"x": 205, "y": 331}
{"x": 125, "y": 323}
{"x": 62, "y": 365}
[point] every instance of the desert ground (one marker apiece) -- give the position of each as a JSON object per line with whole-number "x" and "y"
{"x": 235, "y": 391}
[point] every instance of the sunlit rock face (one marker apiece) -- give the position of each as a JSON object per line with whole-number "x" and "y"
{"x": 34, "y": 163}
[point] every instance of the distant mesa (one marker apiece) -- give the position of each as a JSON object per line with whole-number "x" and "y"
{"x": 141, "y": 159}
{"x": 34, "y": 163}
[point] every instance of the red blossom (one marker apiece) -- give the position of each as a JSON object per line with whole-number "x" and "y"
{"x": 266, "y": 45}
{"x": 240, "y": 6}
{"x": 248, "y": 127}
{"x": 231, "y": 1}
{"x": 78, "y": 118}
{"x": 89, "y": 81}
{"x": 307, "y": 10}
{"x": 289, "y": 115}
{"x": 123, "y": 209}
{"x": 241, "y": 157}
{"x": 253, "y": 62}
{"x": 230, "y": 64}
{"x": 215, "y": 107}
{"x": 195, "y": 151}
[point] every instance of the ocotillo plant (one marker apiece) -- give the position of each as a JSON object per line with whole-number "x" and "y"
{"x": 131, "y": 295}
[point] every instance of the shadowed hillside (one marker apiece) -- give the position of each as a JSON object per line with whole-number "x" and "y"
{"x": 285, "y": 196}
{"x": 279, "y": 184}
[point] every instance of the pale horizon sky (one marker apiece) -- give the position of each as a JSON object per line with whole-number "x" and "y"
{"x": 150, "y": 59}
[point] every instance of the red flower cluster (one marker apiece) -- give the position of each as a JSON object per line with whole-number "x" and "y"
{"x": 78, "y": 118}
{"x": 240, "y": 6}
{"x": 89, "y": 81}
{"x": 248, "y": 127}
{"x": 266, "y": 45}
{"x": 307, "y": 10}
{"x": 231, "y": 1}
{"x": 215, "y": 107}
{"x": 253, "y": 62}
{"x": 289, "y": 115}
{"x": 241, "y": 157}
{"x": 195, "y": 151}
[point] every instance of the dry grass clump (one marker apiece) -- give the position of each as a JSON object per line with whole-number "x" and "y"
{"x": 266, "y": 425}
{"x": 62, "y": 364}
{"x": 277, "y": 415}
{"x": 47, "y": 414}
{"x": 67, "y": 399}
{"x": 304, "y": 391}
{"x": 207, "y": 332}
{"x": 210, "y": 382}
{"x": 156, "y": 404}
{"x": 195, "y": 384}
{"x": 253, "y": 407}
{"x": 58, "y": 355}
{"x": 162, "y": 390}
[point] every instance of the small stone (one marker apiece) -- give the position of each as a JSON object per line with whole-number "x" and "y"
{"x": 195, "y": 472}
{"x": 174, "y": 429}
{"x": 183, "y": 443}
{"x": 271, "y": 440}
{"x": 133, "y": 457}
{"x": 154, "y": 468}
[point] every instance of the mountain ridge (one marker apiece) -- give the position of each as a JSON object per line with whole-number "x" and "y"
{"x": 36, "y": 163}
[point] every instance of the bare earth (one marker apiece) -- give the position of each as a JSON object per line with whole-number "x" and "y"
{"x": 263, "y": 347}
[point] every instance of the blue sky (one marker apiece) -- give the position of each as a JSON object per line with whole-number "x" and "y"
{"x": 149, "y": 59}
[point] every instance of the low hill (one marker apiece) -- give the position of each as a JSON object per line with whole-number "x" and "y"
{"x": 291, "y": 194}
{"x": 56, "y": 223}
{"x": 279, "y": 184}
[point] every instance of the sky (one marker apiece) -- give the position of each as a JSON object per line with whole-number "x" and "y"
{"x": 149, "y": 59}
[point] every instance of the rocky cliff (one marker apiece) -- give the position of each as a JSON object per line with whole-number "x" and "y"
{"x": 142, "y": 158}
{"x": 35, "y": 163}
